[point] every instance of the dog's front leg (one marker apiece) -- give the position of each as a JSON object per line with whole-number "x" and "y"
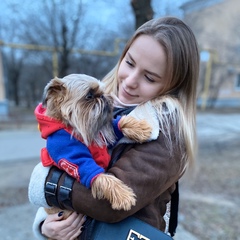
{"x": 137, "y": 130}
{"x": 114, "y": 190}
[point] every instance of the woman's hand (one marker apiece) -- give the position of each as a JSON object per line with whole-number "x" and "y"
{"x": 68, "y": 229}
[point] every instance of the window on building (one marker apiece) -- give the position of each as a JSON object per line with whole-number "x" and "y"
{"x": 238, "y": 82}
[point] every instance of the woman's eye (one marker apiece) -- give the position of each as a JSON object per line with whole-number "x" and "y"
{"x": 129, "y": 63}
{"x": 149, "y": 79}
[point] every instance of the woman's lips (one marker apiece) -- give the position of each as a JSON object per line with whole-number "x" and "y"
{"x": 125, "y": 92}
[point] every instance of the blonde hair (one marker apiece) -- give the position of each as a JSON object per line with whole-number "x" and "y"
{"x": 179, "y": 94}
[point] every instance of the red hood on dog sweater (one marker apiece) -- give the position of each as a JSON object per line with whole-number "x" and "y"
{"x": 69, "y": 153}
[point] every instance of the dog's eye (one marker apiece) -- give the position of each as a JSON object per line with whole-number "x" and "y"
{"x": 90, "y": 95}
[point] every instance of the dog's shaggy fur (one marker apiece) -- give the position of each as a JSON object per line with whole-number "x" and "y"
{"x": 78, "y": 101}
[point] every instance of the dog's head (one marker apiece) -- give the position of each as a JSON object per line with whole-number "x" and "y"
{"x": 79, "y": 101}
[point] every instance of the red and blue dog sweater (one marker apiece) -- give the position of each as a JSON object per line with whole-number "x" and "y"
{"x": 69, "y": 153}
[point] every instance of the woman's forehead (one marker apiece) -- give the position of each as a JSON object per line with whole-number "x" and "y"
{"x": 149, "y": 53}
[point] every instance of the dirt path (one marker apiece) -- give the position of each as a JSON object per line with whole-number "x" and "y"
{"x": 209, "y": 200}
{"x": 209, "y": 206}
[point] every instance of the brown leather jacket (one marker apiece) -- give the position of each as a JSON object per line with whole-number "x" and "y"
{"x": 150, "y": 169}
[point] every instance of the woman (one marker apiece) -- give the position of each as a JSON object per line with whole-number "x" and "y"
{"x": 155, "y": 79}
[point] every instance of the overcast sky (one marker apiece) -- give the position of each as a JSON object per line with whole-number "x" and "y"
{"x": 107, "y": 14}
{"x": 161, "y": 7}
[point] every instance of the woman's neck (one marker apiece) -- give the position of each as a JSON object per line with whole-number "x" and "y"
{"x": 119, "y": 104}
{"x": 121, "y": 108}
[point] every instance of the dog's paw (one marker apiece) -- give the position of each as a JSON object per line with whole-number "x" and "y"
{"x": 115, "y": 191}
{"x": 120, "y": 202}
{"x": 137, "y": 130}
{"x": 142, "y": 131}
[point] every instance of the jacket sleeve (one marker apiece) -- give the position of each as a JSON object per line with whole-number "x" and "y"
{"x": 150, "y": 169}
{"x": 39, "y": 218}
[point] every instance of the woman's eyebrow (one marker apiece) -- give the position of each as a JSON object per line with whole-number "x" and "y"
{"x": 153, "y": 73}
{"x": 130, "y": 56}
{"x": 149, "y": 72}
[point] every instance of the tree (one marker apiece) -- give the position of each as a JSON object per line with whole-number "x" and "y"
{"x": 13, "y": 61}
{"x": 62, "y": 26}
{"x": 58, "y": 26}
{"x": 45, "y": 23}
{"x": 14, "y": 66}
{"x": 142, "y": 11}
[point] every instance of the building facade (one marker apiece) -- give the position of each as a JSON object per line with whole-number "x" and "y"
{"x": 216, "y": 26}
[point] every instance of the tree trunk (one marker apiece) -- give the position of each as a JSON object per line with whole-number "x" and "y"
{"x": 142, "y": 10}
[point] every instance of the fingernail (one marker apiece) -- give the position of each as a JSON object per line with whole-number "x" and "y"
{"x": 60, "y": 214}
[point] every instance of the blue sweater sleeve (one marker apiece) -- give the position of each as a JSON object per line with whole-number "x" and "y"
{"x": 65, "y": 150}
{"x": 116, "y": 129}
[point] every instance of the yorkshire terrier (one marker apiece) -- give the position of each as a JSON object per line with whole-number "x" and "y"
{"x": 76, "y": 109}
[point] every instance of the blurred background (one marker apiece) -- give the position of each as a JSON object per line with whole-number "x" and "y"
{"x": 43, "y": 39}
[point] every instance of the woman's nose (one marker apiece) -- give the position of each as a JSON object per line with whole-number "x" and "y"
{"x": 132, "y": 80}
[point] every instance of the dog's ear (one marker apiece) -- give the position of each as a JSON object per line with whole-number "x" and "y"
{"x": 55, "y": 91}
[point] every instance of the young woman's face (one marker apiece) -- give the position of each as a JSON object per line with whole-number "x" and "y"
{"x": 141, "y": 74}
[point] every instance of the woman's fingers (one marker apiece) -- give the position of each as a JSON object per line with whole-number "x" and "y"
{"x": 68, "y": 229}
{"x": 73, "y": 226}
